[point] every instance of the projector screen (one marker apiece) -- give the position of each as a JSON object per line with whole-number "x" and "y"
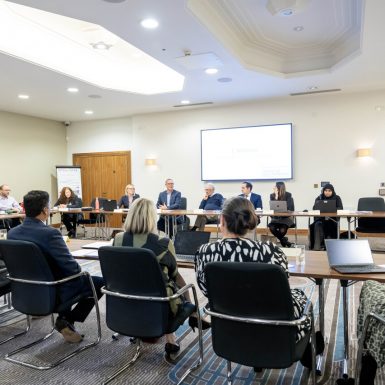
{"x": 247, "y": 153}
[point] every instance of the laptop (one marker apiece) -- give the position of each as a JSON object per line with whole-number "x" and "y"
{"x": 351, "y": 256}
{"x": 109, "y": 204}
{"x": 278, "y": 206}
{"x": 188, "y": 242}
{"x": 326, "y": 206}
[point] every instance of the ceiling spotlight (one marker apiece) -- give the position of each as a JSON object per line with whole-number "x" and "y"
{"x": 23, "y": 96}
{"x": 379, "y": 108}
{"x": 101, "y": 45}
{"x": 286, "y": 8}
{"x": 211, "y": 71}
{"x": 225, "y": 80}
{"x": 88, "y": 112}
{"x": 73, "y": 90}
{"x": 114, "y": 1}
{"x": 94, "y": 96}
{"x": 312, "y": 88}
{"x": 149, "y": 23}
{"x": 298, "y": 28}
{"x": 185, "y": 102}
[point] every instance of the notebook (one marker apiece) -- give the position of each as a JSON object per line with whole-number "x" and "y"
{"x": 326, "y": 206}
{"x": 109, "y": 205}
{"x": 278, "y": 206}
{"x": 188, "y": 242}
{"x": 351, "y": 256}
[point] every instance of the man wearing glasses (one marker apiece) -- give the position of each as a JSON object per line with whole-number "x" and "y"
{"x": 9, "y": 205}
{"x": 168, "y": 200}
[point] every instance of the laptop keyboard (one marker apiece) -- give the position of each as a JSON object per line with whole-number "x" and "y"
{"x": 186, "y": 257}
{"x": 360, "y": 268}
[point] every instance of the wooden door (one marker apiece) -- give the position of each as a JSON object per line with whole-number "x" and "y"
{"x": 105, "y": 175}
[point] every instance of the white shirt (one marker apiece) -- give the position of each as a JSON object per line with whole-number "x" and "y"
{"x": 8, "y": 203}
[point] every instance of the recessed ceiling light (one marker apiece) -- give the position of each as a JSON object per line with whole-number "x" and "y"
{"x": 114, "y": 1}
{"x": 73, "y": 90}
{"x": 211, "y": 71}
{"x": 185, "y": 102}
{"x": 94, "y": 96}
{"x": 225, "y": 80}
{"x": 286, "y": 12}
{"x": 149, "y": 23}
{"x": 298, "y": 28}
{"x": 379, "y": 108}
{"x": 88, "y": 112}
{"x": 23, "y": 96}
{"x": 312, "y": 88}
{"x": 101, "y": 45}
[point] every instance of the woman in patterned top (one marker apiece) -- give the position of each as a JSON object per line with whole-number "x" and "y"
{"x": 140, "y": 231}
{"x": 238, "y": 217}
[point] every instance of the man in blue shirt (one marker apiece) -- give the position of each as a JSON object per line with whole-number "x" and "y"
{"x": 210, "y": 201}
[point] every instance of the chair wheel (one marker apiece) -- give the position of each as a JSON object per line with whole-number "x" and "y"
{"x": 115, "y": 336}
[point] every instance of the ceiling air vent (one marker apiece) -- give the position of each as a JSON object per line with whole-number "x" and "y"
{"x": 315, "y": 92}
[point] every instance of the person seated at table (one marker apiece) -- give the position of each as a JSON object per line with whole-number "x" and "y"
{"x": 140, "y": 231}
{"x": 168, "y": 200}
{"x": 371, "y": 301}
{"x": 68, "y": 199}
{"x": 126, "y": 200}
{"x": 61, "y": 261}
{"x": 238, "y": 217}
{"x": 255, "y": 199}
{"x": 324, "y": 228}
{"x": 9, "y": 205}
{"x": 211, "y": 201}
{"x": 279, "y": 225}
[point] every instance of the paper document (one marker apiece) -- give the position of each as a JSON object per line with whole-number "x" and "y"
{"x": 97, "y": 245}
{"x": 85, "y": 253}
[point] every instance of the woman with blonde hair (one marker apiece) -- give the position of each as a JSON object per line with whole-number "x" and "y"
{"x": 128, "y": 198}
{"x": 140, "y": 231}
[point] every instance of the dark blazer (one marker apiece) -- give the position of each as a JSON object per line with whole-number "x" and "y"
{"x": 123, "y": 201}
{"x": 174, "y": 200}
{"x": 288, "y": 221}
{"x": 214, "y": 202}
{"x": 59, "y": 258}
{"x": 255, "y": 199}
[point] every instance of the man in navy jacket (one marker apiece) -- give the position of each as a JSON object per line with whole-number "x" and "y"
{"x": 255, "y": 199}
{"x": 60, "y": 260}
{"x": 210, "y": 201}
{"x": 168, "y": 200}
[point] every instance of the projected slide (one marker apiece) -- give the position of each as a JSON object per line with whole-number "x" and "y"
{"x": 247, "y": 153}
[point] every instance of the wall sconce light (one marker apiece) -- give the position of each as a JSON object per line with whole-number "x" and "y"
{"x": 150, "y": 162}
{"x": 364, "y": 152}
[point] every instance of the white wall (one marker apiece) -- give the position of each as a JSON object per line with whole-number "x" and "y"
{"x": 328, "y": 129}
{"x": 30, "y": 148}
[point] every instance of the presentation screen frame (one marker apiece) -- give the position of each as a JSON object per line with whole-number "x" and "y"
{"x": 254, "y": 152}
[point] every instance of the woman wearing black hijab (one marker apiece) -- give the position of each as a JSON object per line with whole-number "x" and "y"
{"x": 323, "y": 228}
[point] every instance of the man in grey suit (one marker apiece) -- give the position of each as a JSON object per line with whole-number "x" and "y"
{"x": 168, "y": 200}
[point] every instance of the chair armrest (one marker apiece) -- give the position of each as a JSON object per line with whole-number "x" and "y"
{"x": 307, "y": 311}
{"x": 49, "y": 283}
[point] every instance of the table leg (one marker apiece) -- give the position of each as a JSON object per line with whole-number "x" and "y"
{"x": 321, "y": 311}
{"x": 344, "y": 285}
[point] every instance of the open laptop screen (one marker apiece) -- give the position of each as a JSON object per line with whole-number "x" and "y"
{"x": 348, "y": 252}
{"x": 326, "y": 206}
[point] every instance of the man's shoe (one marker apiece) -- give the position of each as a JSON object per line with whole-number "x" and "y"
{"x": 68, "y": 331}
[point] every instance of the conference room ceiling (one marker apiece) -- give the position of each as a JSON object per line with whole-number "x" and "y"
{"x": 259, "y": 53}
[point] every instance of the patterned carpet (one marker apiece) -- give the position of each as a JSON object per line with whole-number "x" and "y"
{"x": 96, "y": 364}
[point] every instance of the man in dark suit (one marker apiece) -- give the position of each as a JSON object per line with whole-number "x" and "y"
{"x": 211, "y": 201}
{"x": 255, "y": 199}
{"x": 60, "y": 260}
{"x": 168, "y": 200}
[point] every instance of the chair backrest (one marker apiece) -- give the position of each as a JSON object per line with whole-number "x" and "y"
{"x": 134, "y": 271}
{"x": 371, "y": 224}
{"x": 188, "y": 242}
{"x": 25, "y": 260}
{"x": 183, "y": 203}
{"x": 253, "y": 290}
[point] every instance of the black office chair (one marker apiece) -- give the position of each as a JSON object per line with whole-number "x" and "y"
{"x": 252, "y": 319}
{"x": 137, "y": 304}
{"x": 34, "y": 292}
{"x": 183, "y": 222}
{"x": 371, "y": 225}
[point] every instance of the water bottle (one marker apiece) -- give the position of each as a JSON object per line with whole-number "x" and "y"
{"x": 97, "y": 203}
